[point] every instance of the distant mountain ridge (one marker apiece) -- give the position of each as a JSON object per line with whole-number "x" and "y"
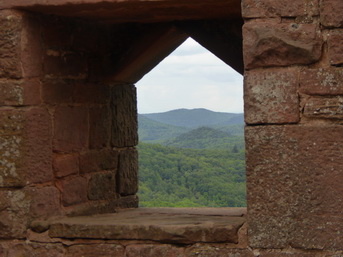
{"x": 193, "y": 118}
{"x": 192, "y": 128}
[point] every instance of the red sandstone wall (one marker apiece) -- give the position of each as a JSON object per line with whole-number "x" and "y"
{"x": 293, "y": 81}
{"x": 67, "y": 137}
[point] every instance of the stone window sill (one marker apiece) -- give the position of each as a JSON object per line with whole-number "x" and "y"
{"x": 172, "y": 225}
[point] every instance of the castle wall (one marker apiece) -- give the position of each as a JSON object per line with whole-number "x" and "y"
{"x": 68, "y": 132}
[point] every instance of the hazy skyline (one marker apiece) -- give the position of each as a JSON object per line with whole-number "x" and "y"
{"x": 191, "y": 77}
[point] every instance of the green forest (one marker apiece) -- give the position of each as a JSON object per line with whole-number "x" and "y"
{"x": 196, "y": 166}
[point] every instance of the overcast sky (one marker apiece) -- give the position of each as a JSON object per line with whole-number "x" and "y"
{"x": 191, "y": 77}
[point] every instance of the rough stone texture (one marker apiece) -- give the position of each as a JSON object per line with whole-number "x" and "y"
{"x": 91, "y": 250}
{"x": 270, "y": 96}
{"x": 71, "y": 128}
{"x": 294, "y": 201}
{"x": 98, "y": 160}
{"x": 269, "y": 43}
{"x": 124, "y": 116}
{"x": 102, "y": 186}
{"x": 10, "y": 34}
{"x": 14, "y": 92}
{"x": 331, "y": 13}
{"x": 322, "y": 81}
{"x": 22, "y": 249}
{"x": 99, "y": 127}
{"x": 127, "y": 179}
{"x": 57, "y": 91}
{"x": 154, "y": 250}
{"x": 335, "y": 47}
{"x": 14, "y": 213}
{"x": 277, "y": 8}
{"x": 45, "y": 202}
{"x": 173, "y": 226}
{"x": 25, "y": 146}
{"x": 65, "y": 165}
{"x": 217, "y": 251}
{"x": 328, "y": 107}
{"x": 38, "y": 148}
{"x": 74, "y": 190}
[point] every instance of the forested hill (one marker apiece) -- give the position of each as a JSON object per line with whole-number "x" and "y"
{"x": 193, "y": 118}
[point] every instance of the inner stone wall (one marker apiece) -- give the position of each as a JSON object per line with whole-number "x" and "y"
{"x": 67, "y": 136}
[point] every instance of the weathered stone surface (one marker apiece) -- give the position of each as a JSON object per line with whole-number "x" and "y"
{"x": 294, "y": 180}
{"x": 14, "y": 213}
{"x": 85, "y": 92}
{"x": 268, "y": 43}
{"x": 98, "y": 160}
{"x": 290, "y": 252}
{"x": 128, "y": 172}
{"x": 57, "y": 91}
{"x": 124, "y": 116}
{"x": 74, "y": 190}
{"x": 331, "y": 13}
{"x": 45, "y": 202}
{"x": 154, "y": 224}
{"x": 324, "y": 107}
{"x": 276, "y": 8}
{"x": 25, "y": 146}
{"x": 99, "y": 127}
{"x": 65, "y": 64}
{"x": 216, "y": 251}
{"x": 14, "y": 92}
{"x": 91, "y": 250}
{"x": 24, "y": 249}
{"x": 321, "y": 81}
{"x": 102, "y": 186}
{"x": 154, "y": 250}
{"x": 335, "y": 47}
{"x": 10, "y": 40}
{"x": 37, "y": 145}
{"x": 31, "y": 47}
{"x": 65, "y": 164}
{"x": 270, "y": 96}
{"x": 70, "y": 129}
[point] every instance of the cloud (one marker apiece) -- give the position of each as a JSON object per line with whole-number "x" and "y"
{"x": 191, "y": 77}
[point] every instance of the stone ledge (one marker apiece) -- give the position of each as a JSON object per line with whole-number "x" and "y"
{"x": 172, "y": 225}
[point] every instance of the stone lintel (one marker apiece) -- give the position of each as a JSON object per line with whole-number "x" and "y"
{"x": 171, "y": 225}
{"x": 119, "y": 11}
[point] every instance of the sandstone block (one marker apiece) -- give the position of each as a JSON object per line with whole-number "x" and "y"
{"x": 25, "y": 146}
{"x": 124, "y": 116}
{"x": 128, "y": 172}
{"x": 214, "y": 251}
{"x": 85, "y": 92}
{"x": 38, "y": 148}
{"x": 152, "y": 250}
{"x": 102, "y": 186}
{"x": 324, "y": 107}
{"x": 57, "y": 91}
{"x": 14, "y": 92}
{"x": 36, "y": 250}
{"x": 294, "y": 180}
{"x": 71, "y": 129}
{"x": 272, "y": 8}
{"x": 331, "y": 13}
{"x": 65, "y": 165}
{"x": 57, "y": 32}
{"x": 268, "y": 43}
{"x": 65, "y": 65}
{"x": 271, "y": 96}
{"x": 98, "y": 160}
{"x": 45, "y": 202}
{"x": 99, "y": 127}
{"x": 14, "y": 213}
{"x": 321, "y": 81}
{"x": 10, "y": 41}
{"x": 31, "y": 47}
{"x": 91, "y": 250}
{"x": 74, "y": 190}
{"x": 335, "y": 47}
